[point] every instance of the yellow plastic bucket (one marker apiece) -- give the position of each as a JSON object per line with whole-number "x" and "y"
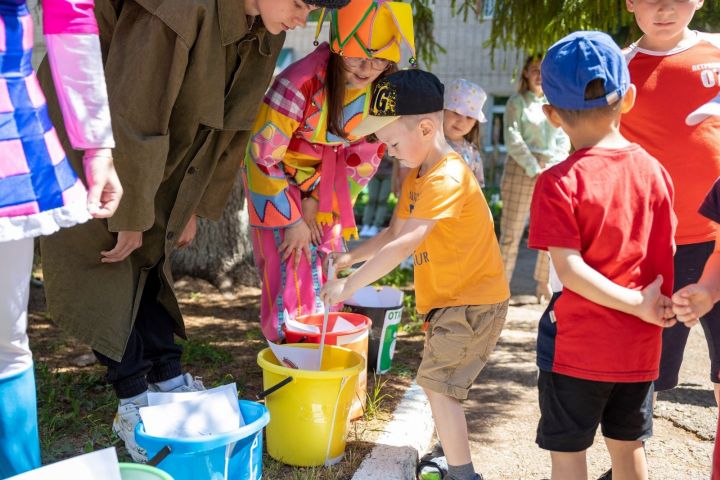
{"x": 309, "y": 416}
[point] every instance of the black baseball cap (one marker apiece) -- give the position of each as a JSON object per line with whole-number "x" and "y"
{"x": 327, "y": 3}
{"x": 407, "y": 92}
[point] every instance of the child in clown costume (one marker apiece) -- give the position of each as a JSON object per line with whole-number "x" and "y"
{"x": 303, "y": 170}
{"x": 40, "y": 192}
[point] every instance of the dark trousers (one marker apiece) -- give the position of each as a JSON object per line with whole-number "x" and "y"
{"x": 151, "y": 354}
{"x": 689, "y": 264}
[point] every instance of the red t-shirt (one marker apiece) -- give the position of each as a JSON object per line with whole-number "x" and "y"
{"x": 615, "y": 207}
{"x": 671, "y": 87}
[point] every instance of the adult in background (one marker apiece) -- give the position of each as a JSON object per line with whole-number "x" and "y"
{"x": 533, "y": 145}
{"x": 39, "y": 190}
{"x": 185, "y": 80}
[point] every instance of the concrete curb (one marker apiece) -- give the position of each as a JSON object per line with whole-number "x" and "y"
{"x": 395, "y": 454}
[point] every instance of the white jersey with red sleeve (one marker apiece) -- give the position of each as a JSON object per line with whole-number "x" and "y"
{"x": 676, "y": 118}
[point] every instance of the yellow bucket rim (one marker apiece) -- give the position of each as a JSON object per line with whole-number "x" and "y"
{"x": 316, "y": 374}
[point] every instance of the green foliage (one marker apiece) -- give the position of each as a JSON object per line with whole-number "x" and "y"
{"x": 398, "y": 278}
{"x": 531, "y": 26}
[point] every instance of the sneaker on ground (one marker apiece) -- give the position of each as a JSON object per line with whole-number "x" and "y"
{"x": 126, "y": 419}
{"x": 190, "y": 384}
{"x": 431, "y": 467}
{"x": 363, "y": 230}
{"x": 373, "y": 231}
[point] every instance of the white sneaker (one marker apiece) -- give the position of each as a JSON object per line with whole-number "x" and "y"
{"x": 364, "y": 231}
{"x": 126, "y": 419}
{"x": 190, "y": 384}
{"x": 372, "y": 231}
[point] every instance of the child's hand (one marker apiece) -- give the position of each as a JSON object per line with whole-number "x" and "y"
{"x": 340, "y": 261}
{"x": 655, "y": 307}
{"x": 335, "y": 291}
{"x": 127, "y": 242}
{"x": 310, "y": 209}
{"x": 296, "y": 241}
{"x": 104, "y": 189}
{"x": 692, "y": 302}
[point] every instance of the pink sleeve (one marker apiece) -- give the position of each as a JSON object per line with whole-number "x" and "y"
{"x": 69, "y": 16}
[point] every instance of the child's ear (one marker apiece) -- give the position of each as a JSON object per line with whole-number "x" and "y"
{"x": 427, "y": 127}
{"x": 628, "y": 101}
{"x": 630, "y": 5}
{"x": 552, "y": 116}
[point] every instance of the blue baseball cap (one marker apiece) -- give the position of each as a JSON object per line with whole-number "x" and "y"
{"x": 578, "y": 59}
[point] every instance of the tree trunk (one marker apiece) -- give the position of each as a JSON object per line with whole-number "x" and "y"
{"x": 222, "y": 251}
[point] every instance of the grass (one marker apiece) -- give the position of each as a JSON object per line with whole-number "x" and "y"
{"x": 376, "y": 398}
{"x": 199, "y": 352}
{"x": 75, "y": 412}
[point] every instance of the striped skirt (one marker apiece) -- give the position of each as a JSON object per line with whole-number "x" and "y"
{"x": 39, "y": 191}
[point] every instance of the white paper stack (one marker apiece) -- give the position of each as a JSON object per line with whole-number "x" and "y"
{"x": 292, "y": 356}
{"x": 100, "y": 465}
{"x": 192, "y": 414}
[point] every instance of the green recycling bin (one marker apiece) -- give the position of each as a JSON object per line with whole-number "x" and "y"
{"x": 384, "y": 307}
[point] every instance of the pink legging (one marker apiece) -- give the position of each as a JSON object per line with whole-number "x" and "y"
{"x": 283, "y": 287}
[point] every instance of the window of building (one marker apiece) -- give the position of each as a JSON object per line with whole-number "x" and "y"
{"x": 488, "y": 8}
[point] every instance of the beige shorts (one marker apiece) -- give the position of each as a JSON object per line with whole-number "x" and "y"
{"x": 458, "y": 342}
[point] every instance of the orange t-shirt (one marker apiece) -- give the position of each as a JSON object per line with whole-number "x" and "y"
{"x": 458, "y": 262}
{"x": 671, "y": 86}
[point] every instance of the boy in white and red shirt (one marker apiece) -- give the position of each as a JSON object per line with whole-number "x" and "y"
{"x": 676, "y": 120}
{"x": 605, "y": 215}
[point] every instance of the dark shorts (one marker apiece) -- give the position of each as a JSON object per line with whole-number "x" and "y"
{"x": 689, "y": 263}
{"x": 571, "y": 410}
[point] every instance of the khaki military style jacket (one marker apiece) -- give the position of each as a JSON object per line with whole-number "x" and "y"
{"x": 185, "y": 80}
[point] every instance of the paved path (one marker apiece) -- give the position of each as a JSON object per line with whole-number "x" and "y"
{"x": 504, "y": 413}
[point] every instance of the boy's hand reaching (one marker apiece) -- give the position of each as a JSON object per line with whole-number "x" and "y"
{"x": 692, "y": 302}
{"x": 655, "y": 307}
{"x": 340, "y": 261}
{"x": 335, "y": 291}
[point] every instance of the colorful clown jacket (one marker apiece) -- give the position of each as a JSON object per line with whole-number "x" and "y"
{"x": 290, "y": 148}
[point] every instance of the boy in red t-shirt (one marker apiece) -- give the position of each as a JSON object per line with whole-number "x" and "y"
{"x": 676, "y": 120}
{"x": 605, "y": 215}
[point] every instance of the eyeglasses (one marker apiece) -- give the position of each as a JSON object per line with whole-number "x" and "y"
{"x": 379, "y": 64}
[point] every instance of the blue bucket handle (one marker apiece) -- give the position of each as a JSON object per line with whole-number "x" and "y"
{"x": 160, "y": 456}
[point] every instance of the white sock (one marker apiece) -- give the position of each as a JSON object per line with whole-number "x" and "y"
{"x": 172, "y": 384}
{"x": 140, "y": 399}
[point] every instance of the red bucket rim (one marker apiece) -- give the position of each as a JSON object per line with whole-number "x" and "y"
{"x": 347, "y": 315}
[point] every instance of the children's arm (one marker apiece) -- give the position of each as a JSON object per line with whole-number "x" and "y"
{"x": 367, "y": 249}
{"x": 514, "y": 141}
{"x": 395, "y": 250}
{"x": 695, "y": 300}
{"x": 648, "y": 304}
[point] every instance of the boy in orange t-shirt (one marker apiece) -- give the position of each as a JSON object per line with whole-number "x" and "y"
{"x": 442, "y": 216}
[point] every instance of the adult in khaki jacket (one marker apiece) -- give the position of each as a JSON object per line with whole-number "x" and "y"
{"x": 185, "y": 80}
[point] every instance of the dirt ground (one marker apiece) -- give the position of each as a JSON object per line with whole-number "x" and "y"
{"x": 504, "y": 412}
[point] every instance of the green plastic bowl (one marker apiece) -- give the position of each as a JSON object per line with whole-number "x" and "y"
{"x": 136, "y": 471}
